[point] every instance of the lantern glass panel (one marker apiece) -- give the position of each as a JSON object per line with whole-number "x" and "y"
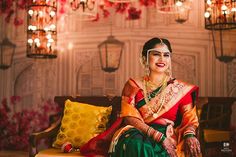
{"x": 110, "y": 52}
{"x": 113, "y": 55}
{"x": 225, "y": 49}
{"x": 182, "y": 15}
{"x": 6, "y": 56}
{"x": 103, "y": 55}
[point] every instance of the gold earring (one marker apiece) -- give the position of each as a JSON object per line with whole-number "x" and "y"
{"x": 147, "y": 70}
{"x": 169, "y": 72}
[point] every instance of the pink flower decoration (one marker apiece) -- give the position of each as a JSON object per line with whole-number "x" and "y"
{"x": 133, "y": 14}
{"x": 62, "y": 1}
{"x": 62, "y": 10}
{"x": 18, "y": 21}
{"x": 22, "y": 4}
{"x": 121, "y": 7}
{"x": 148, "y": 2}
{"x": 6, "y": 5}
{"x": 9, "y": 15}
{"x": 4, "y": 101}
{"x": 15, "y": 127}
{"x": 14, "y": 99}
{"x": 106, "y": 13}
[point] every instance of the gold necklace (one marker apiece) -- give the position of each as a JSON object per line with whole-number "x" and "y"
{"x": 153, "y": 85}
{"x": 153, "y": 110}
{"x": 146, "y": 95}
{"x": 161, "y": 103}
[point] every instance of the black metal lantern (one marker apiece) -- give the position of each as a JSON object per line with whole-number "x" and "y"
{"x": 220, "y": 14}
{"x": 7, "y": 50}
{"x": 179, "y": 8}
{"x": 85, "y": 9}
{"x": 224, "y": 50}
{"x": 220, "y": 19}
{"x": 110, "y": 52}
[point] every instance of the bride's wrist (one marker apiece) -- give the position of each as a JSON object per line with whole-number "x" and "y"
{"x": 158, "y": 136}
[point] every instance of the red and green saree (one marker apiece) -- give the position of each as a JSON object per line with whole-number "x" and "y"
{"x": 178, "y": 110}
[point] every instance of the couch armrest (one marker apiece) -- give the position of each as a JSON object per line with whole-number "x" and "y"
{"x": 47, "y": 133}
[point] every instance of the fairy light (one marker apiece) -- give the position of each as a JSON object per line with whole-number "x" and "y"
{"x": 41, "y": 34}
{"x": 179, "y": 4}
{"x": 207, "y": 14}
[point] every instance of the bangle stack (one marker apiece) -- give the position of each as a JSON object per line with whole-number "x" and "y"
{"x": 189, "y": 135}
{"x": 149, "y": 131}
{"x": 156, "y": 135}
{"x": 189, "y": 132}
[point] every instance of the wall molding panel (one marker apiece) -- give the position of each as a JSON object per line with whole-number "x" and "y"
{"x": 193, "y": 57}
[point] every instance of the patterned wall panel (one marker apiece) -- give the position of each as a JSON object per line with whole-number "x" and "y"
{"x": 193, "y": 58}
{"x": 34, "y": 81}
{"x": 231, "y": 77}
{"x": 91, "y": 80}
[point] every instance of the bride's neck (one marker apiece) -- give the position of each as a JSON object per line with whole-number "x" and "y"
{"x": 157, "y": 77}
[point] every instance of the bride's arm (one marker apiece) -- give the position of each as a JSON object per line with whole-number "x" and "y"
{"x": 190, "y": 123}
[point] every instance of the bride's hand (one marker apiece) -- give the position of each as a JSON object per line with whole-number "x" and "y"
{"x": 192, "y": 146}
{"x": 170, "y": 147}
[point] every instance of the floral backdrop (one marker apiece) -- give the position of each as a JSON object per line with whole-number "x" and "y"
{"x": 16, "y": 126}
{"x": 11, "y": 9}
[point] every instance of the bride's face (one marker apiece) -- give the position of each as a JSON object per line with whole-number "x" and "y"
{"x": 159, "y": 58}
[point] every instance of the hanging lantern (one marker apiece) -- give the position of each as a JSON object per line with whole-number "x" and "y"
{"x": 224, "y": 49}
{"x": 220, "y": 19}
{"x": 86, "y": 10}
{"x": 220, "y": 14}
{"x": 179, "y": 8}
{"x": 182, "y": 14}
{"x": 110, "y": 52}
{"x": 42, "y": 30}
{"x": 7, "y": 50}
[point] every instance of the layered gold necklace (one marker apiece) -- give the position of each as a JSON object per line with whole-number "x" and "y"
{"x": 151, "y": 85}
{"x": 148, "y": 95}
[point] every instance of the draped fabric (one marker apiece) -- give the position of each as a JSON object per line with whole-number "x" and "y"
{"x": 123, "y": 141}
{"x": 134, "y": 143}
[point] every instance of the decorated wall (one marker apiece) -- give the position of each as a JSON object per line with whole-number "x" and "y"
{"x": 77, "y": 71}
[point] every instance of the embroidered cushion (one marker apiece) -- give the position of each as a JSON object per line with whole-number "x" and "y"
{"x": 81, "y": 122}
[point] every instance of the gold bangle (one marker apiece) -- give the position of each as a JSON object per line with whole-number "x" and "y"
{"x": 157, "y": 136}
{"x": 148, "y": 130}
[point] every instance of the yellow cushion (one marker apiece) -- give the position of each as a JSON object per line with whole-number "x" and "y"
{"x": 216, "y": 135}
{"x": 81, "y": 122}
{"x": 53, "y": 152}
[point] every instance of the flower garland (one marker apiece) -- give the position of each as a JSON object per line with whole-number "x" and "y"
{"x": 133, "y": 12}
{"x": 11, "y": 8}
{"x": 16, "y": 126}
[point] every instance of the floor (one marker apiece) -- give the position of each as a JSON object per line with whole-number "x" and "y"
{"x": 13, "y": 154}
{"x": 211, "y": 153}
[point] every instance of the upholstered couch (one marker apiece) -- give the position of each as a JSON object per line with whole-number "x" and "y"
{"x": 215, "y": 125}
{"x": 51, "y": 132}
{"x": 205, "y": 103}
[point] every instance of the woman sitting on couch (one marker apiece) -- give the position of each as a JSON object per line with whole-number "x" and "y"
{"x": 158, "y": 116}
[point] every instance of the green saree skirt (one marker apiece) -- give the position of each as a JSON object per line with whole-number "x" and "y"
{"x": 133, "y": 143}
